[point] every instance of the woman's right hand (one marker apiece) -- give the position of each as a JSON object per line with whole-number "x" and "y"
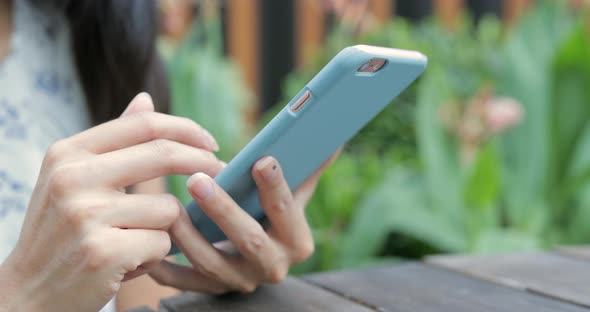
{"x": 83, "y": 235}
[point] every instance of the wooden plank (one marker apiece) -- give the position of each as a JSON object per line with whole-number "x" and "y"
{"x": 243, "y": 42}
{"x": 309, "y": 29}
{"x": 448, "y": 11}
{"x": 243, "y": 39}
{"x": 141, "y": 309}
{"x": 579, "y": 252}
{"x": 291, "y": 295}
{"x": 419, "y": 287}
{"x": 543, "y": 273}
{"x": 381, "y": 9}
{"x": 6, "y": 23}
{"x": 514, "y": 9}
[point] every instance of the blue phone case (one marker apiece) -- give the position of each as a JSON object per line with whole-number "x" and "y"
{"x": 342, "y": 102}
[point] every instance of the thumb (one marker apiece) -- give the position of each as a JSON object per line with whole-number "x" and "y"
{"x": 140, "y": 103}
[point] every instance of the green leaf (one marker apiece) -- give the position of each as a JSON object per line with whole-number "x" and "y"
{"x": 207, "y": 88}
{"x": 483, "y": 185}
{"x": 437, "y": 150}
{"x": 571, "y": 112}
{"x": 505, "y": 240}
{"x": 578, "y": 215}
{"x": 400, "y": 204}
{"x": 526, "y": 76}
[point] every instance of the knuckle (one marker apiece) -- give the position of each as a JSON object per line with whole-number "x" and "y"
{"x": 55, "y": 152}
{"x": 95, "y": 255}
{"x": 132, "y": 265}
{"x": 113, "y": 288}
{"x": 165, "y": 244}
{"x": 163, "y": 147}
{"x": 148, "y": 122}
{"x": 170, "y": 210}
{"x": 281, "y": 205}
{"x": 211, "y": 269}
{"x": 64, "y": 178}
{"x": 303, "y": 250}
{"x": 255, "y": 242}
{"x": 277, "y": 274}
{"x": 76, "y": 212}
{"x": 246, "y": 287}
{"x": 99, "y": 261}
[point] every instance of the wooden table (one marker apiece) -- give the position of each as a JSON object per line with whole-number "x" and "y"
{"x": 539, "y": 281}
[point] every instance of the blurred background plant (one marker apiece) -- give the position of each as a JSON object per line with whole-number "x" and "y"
{"x": 205, "y": 85}
{"x": 489, "y": 151}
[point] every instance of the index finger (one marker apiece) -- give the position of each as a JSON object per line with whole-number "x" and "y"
{"x": 151, "y": 160}
{"x": 140, "y": 128}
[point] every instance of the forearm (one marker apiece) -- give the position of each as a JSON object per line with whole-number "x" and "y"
{"x": 13, "y": 293}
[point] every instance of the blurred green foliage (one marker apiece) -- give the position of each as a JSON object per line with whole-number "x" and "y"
{"x": 402, "y": 189}
{"x": 207, "y": 87}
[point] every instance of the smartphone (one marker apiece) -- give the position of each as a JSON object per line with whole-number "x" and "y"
{"x": 339, "y": 101}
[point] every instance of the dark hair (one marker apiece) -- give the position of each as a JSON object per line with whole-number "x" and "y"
{"x": 114, "y": 44}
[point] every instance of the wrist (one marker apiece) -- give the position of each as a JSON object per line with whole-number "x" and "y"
{"x": 13, "y": 294}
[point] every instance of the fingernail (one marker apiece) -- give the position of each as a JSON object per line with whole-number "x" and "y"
{"x": 211, "y": 141}
{"x": 143, "y": 96}
{"x": 267, "y": 167}
{"x": 201, "y": 185}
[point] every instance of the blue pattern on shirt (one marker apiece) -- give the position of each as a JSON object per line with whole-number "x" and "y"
{"x": 13, "y": 192}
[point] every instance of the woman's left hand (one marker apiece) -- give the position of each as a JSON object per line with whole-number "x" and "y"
{"x": 264, "y": 256}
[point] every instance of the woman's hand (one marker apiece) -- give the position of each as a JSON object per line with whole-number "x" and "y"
{"x": 264, "y": 257}
{"x": 83, "y": 235}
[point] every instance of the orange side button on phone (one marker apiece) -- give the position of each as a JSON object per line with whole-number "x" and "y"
{"x": 301, "y": 101}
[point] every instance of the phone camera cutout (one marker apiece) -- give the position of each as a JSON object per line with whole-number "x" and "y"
{"x": 372, "y": 66}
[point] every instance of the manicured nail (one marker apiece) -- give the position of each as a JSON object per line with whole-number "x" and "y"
{"x": 201, "y": 185}
{"x": 143, "y": 96}
{"x": 267, "y": 167}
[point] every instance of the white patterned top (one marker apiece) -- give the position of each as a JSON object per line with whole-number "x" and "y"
{"x": 41, "y": 101}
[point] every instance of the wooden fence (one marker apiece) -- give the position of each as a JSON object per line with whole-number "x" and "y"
{"x": 244, "y": 29}
{"x": 268, "y": 38}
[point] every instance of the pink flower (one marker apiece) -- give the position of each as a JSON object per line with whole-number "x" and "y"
{"x": 502, "y": 113}
{"x": 478, "y": 119}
